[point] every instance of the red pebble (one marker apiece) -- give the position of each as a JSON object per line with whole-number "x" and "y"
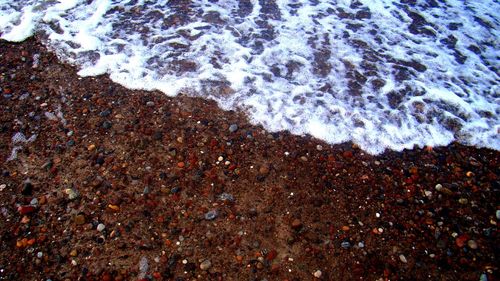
{"x": 24, "y": 210}
{"x": 271, "y": 255}
{"x": 461, "y": 240}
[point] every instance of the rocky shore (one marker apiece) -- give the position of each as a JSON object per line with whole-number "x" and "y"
{"x": 99, "y": 182}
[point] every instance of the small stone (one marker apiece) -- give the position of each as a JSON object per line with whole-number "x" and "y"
{"x": 226, "y": 197}
{"x": 303, "y": 158}
{"x": 317, "y": 273}
{"x": 402, "y": 258}
{"x": 27, "y": 189}
{"x": 345, "y": 245}
{"x": 105, "y": 113}
{"x": 72, "y": 193}
{"x": 100, "y": 227}
{"x": 319, "y": 147}
{"x": 472, "y": 244}
{"x": 211, "y": 215}
{"x": 34, "y": 202}
{"x": 91, "y": 147}
{"x": 428, "y": 193}
{"x": 463, "y": 201}
{"x": 439, "y": 187}
{"x": 73, "y": 253}
{"x": 233, "y": 128}
{"x": 79, "y": 219}
{"x": 498, "y": 214}
{"x": 460, "y": 240}
{"x": 146, "y": 190}
{"x": 107, "y": 125}
{"x": 150, "y": 104}
{"x": 205, "y": 265}
{"x": 39, "y": 255}
{"x": 3, "y": 186}
{"x": 296, "y": 224}
{"x": 24, "y": 210}
{"x": 264, "y": 169}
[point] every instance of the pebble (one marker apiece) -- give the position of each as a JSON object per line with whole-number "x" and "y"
{"x": 402, "y": 258}
{"x": 91, "y": 147}
{"x": 211, "y": 215}
{"x": 39, "y": 255}
{"x": 233, "y": 128}
{"x": 296, "y": 224}
{"x": 150, "y": 104}
{"x": 27, "y": 188}
{"x": 319, "y": 147}
{"x": 264, "y": 169}
{"x": 317, "y": 273}
{"x": 100, "y": 227}
{"x": 34, "y": 202}
{"x": 226, "y": 197}
{"x": 345, "y": 245}
{"x": 107, "y": 125}
{"x": 439, "y": 187}
{"x": 472, "y": 244}
{"x": 205, "y": 265}
{"x": 72, "y": 194}
{"x": 497, "y": 213}
{"x": 3, "y": 186}
{"x": 79, "y": 219}
{"x": 105, "y": 113}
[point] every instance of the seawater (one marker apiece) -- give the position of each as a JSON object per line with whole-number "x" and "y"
{"x": 384, "y": 74}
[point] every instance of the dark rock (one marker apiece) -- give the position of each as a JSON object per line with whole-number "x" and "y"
{"x": 27, "y": 189}
{"x": 105, "y": 113}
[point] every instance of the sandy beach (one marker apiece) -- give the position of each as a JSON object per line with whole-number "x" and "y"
{"x": 99, "y": 182}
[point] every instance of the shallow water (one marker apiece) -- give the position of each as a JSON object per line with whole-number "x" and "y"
{"x": 380, "y": 73}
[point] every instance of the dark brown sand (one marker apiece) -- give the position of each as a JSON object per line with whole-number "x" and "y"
{"x": 174, "y": 187}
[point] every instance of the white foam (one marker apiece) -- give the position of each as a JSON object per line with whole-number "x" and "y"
{"x": 309, "y": 67}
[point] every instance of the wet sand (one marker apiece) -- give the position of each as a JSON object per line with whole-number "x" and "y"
{"x": 129, "y": 185}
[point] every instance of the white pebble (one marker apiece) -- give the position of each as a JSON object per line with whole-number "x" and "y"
{"x": 3, "y": 186}
{"x": 318, "y": 273}
{"x": 402, "y": 258}
{"x": 100, "y": 227}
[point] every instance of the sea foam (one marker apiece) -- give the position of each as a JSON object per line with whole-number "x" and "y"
{"x": 380, "y": 73}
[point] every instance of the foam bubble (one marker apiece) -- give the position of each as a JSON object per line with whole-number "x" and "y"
{"x": 381, "y": 73}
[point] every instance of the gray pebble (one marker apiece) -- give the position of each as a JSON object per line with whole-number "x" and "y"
{"x": 233, "y": 128}
{"x": 226, "y": 197}
{"x": 345, "y": 245}
{"x": 205, "y": 265}
{"x": 105, "y": 113}
{"x": 100, "y": 227}
{"x": 107, "y": 125}
{"x": 211, "y": 215}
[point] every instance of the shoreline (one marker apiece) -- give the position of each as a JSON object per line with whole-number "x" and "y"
{"x": 175, "y": 183}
